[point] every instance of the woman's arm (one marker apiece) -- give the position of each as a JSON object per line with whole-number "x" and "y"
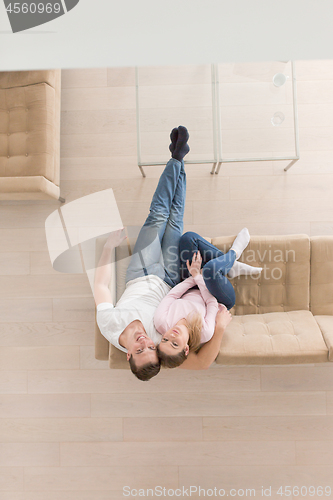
{"x": 211, "y": 309}
{"x": 209, "y": 351}
{"x": 210, "y": 301}
{"x": 175, "y": 293}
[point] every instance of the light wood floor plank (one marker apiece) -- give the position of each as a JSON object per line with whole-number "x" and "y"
{"x": 197, "y": 405}
{"x": 43, "y": 334}
{"x": 218, "y": 381}
{"x": 100, "y": 121}
{"x": 37, "y": 287}
{"x": 268, "y": 187}
{"x": 98, "y": 478}
{"x": 121, "y": 77}
{"x": 98, "y": 98}
{"x": 315, "y": 162}
{"x": 27, "y": 310}
{"x": 39, "y": 358}
{"x": 21, "y": 239}
{"x": 85, "y": 77}
{"x": 315, "y": 91}
{"x": 214, "y": 188}
{"x": 13, "y": 382}
{"x": 315, "y": 70}
{"x": 170, "y": 96}
{"x": 91, "y": 145}
{"x": 55, "y": 430}
{"x": 321, "y": 228}
{"x": 11, "y": 479}
{"x": 88, "y": 360}
{"x": 46, "y": 405}
{"x": 74, "y": 309}
{"x": 154, "y": 429}
{"x": 298, "y": 378}
{"x": 279, "y": 428}
{"x": 229, "y": 477}
{"x": 115, "y": 167}
{"x": 314, "y": 452}
{"x": 168, "y": 75}
{"x": 40, "y": 263}
{"x": 14, "y": 263}
{"x": 196, "y": 118}
{"x": 319, "y": 137}
{"x": 273, "y": 210}
{"x": 14, "y": 495}
{"x": 25, "y": 215}
{"x": 319, "y": 115}
{"x": 226, "y": 453}
{"x": 29, "y": 454}
{"x": 242, "y": 72}
{"x": 329, "y": 402}
{"x": 71, "y": 495}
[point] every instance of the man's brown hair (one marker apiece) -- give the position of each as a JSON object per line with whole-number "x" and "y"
{"x": 145, "y": 372}
{"x": 171, "y": 361}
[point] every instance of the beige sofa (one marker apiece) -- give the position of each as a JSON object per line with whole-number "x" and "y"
{"x": 30, "y": 135}
{"x": 284, "y": 316}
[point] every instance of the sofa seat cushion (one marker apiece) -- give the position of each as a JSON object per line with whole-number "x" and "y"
{"x": 273, "y": 338}
{"x": 326, "y": 326}
{"x": 28, "y": 132}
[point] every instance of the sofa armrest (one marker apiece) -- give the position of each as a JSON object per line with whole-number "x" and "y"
{"x": 102, "y": 345}
{"x": 325, "y": 324}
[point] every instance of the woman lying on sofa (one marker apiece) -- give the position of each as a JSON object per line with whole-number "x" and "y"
{"x": 186, "y": 316}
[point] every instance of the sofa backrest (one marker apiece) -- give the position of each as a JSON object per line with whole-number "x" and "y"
{"x": 321, "y": 284}
{"x": 284, "y": 282}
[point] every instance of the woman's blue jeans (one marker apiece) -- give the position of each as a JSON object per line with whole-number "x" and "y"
{"x": 215, "y": 265}
{"x": 157, "y": 247}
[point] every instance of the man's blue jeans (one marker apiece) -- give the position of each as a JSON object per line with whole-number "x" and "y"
{"x": 157, "y": 248}
{"x": 215, "y": 265}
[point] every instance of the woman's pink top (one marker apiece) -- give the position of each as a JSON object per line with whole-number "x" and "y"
{"x": 181, "y": 301}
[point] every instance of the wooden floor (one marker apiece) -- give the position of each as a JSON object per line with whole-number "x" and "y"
{"x": 71, "y": 428}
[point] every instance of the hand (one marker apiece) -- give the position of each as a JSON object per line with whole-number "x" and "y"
{"x": 115, "y": 238}
{"x": 195, "y": 267}
{"x": 223, "y": 318}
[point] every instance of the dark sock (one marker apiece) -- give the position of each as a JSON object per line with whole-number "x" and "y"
{"x": 182, "y": 148}
{"x": 173, "y": 137}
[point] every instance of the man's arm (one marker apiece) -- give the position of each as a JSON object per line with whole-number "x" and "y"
{"x": 209, "y": 351}
{"x": 103, "y": 270}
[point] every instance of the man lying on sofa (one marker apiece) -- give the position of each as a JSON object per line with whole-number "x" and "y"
{"x": 153, "y": 270}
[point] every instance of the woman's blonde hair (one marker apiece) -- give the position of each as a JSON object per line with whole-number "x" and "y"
{"x": 194, "y": 325}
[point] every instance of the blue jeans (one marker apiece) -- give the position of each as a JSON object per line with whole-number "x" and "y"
{"x": 215, "y": 265}
{"x": 157, "y": 248}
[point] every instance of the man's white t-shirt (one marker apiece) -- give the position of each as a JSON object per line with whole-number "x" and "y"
{"x": 139, "y": 301}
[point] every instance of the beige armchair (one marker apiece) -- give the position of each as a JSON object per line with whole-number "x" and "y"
{"x": 30, "y": 135}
